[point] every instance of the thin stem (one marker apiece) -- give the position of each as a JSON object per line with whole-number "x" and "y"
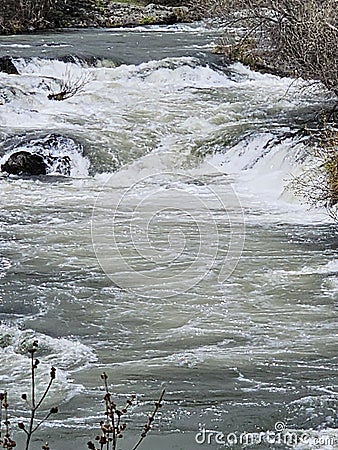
{"x": 33, "y": 410}
{"x": 44, "y": 394}
{"x": 151, "y": 418}
{"x": 1, "y": 403}
{"x": 41, "y": 422}
{"x": 6, "y": 416}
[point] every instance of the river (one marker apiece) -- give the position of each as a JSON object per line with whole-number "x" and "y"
{"x": 172, "y": 255}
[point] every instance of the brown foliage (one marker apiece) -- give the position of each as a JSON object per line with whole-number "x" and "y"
{"x": 301, "y": 35}
{"x": 16, "y": 15}
{"x": 318, "y": 185}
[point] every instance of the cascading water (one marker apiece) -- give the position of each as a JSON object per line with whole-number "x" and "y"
{"x": 169, "y": 252}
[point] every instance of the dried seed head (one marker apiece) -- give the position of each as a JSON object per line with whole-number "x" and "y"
{"x": 52, "y": 373}
{"x": 54, "y": 410}
{"x": 34, "y": 347}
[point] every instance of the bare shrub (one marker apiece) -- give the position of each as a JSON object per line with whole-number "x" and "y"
{"x": 113, "y": 427}
{"x": 19, "y": 15}
{"x": 300, "y": 36}
{"x": 71, "y": 84}
{"x": 318, "y": 184}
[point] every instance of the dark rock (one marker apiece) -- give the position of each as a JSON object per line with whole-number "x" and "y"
{"x": 49, "y": 154}
{"x": 25, "y": 163}
{"x": 169, "y": 2}
{"x": 83, "y": 60}
{"x": 7, "y": 65}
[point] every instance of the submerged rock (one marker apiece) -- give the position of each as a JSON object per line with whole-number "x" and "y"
{"x": 25, "y": 163}
{"x": 83, "y": 60}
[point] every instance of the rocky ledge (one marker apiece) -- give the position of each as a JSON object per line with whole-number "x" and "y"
{"x": 112, "y": 14}
{"x": 90, "y": 13}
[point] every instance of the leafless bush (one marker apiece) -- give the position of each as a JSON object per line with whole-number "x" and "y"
{"x": 113, "y": 427}
{"x": 18, "y": 15}
{"x": 318, "y": 184}
{"x": 71, "y": 84}
{"x": 33, "y": 403}
{"x": 301, "y": 35}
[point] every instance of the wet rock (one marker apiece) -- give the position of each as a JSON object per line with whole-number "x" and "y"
{"x": 25, "y": 163}
{"x": 7, "y": 65}
{"x": 50, "y": 154}
{"x": 83, "y": 60}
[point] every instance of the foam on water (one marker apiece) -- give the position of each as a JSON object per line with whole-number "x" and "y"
{"x": 182, "y": 125}
{"x": 5, "y": 264}
{"x": 65, "y": 354}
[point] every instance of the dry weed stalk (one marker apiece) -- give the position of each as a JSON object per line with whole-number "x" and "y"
{"x": 5, "y": 437}
{"x": 113, "y": 426}
{"x": 33, "y": 403}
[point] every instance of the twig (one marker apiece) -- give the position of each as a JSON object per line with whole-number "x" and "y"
{"x": 151, "y": 419}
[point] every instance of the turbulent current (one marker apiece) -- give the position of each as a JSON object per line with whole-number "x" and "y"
{"x": 162, "y": 244}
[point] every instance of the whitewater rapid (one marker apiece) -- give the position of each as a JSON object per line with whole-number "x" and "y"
{"x": 173, "y": 254}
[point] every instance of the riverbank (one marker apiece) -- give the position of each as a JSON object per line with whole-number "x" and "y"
{"x": 89, "y": 13}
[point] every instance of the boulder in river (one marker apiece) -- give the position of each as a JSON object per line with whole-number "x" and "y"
{"x": 25, "y": 163}
{"x": 7, "y": 65}
{"x": 50, "y": 154}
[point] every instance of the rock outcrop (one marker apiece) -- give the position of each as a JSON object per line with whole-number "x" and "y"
{"x": 89, "y": 13}
{"x": 113, "y": 14}
{"x": 25, "y": 163}
{"x": 51, "y": 154}
{"x": 7, "y": 65}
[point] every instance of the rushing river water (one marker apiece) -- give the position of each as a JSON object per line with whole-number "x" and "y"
{"x": 172, "y": 255}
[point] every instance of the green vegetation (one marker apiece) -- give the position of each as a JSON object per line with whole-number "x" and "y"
{"x": 147, "y": 20}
